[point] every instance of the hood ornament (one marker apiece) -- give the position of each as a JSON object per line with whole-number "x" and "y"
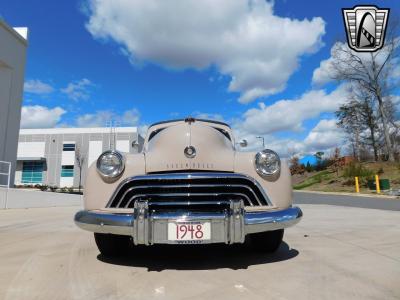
{"x": 190, "y": 152}
{"x": 190, "y": 120}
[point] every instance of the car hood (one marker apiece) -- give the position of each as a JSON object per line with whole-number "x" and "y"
{"x": 165, "y": 151}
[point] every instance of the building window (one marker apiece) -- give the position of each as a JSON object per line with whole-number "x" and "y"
{"x": 69, "y": 147}
{"x": 32, "y": 172}
{"x": 67, "y": 171}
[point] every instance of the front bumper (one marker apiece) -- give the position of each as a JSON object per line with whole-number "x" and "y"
{"x": 150, "y": 227}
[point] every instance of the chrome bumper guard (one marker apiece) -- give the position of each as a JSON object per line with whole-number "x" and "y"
{"x": 150, "y": 227}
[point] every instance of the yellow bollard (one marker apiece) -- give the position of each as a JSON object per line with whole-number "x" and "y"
{"x": 378, "y": 188}
{"x": 357, "y": 185}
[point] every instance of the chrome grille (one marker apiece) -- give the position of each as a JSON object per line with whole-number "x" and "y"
{"x": 188, "y": 189}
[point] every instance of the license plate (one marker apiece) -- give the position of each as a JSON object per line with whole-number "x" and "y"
{"x": 189, "y": 231}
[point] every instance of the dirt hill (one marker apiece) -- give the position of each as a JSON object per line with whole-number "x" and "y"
{"x": 343, "y": 181}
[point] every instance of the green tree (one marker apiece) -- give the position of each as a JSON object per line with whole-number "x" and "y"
{"x": 309, "y": 168}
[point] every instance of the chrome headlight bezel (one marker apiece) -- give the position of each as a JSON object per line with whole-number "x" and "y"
{"x": 274, "y": 159}
{"x": 119, "y": 168}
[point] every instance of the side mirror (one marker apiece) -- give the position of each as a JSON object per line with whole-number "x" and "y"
{"x": 243, "y": 143}
{"x": 135, "y": 144}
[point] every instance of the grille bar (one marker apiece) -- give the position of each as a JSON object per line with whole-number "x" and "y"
{"x": 187, "y": 195}
{"x": 188, "y": 187}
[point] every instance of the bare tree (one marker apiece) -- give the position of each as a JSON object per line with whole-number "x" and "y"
{"x": 335, "y": 159}
{"x": 371, "y": 72}
{"x": 348, "y": 117}
{"x": 295, "y": 166}
{"x": 370, "y": 122}
{"x": 358, "y": 119}
{"x": 80, "y": 161}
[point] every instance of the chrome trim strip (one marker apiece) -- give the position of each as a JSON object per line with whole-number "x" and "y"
{"x": 236, "y": 222}
{"x": 189, "y": 203}
{"x": 103, "y": 222}
{"x": 109, "y": 204}
{"x": 139, "y": 225}
{"x": 183, "y": 194}
{"x": 273, "y": 220}
{"x": 197, "y": 175}
{"x": 193, "y": 216}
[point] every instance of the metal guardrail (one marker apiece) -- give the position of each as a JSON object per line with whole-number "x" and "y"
{"x": 5, "y": 171}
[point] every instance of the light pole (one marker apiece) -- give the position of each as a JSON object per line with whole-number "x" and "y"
{"x": 261, "y": 137}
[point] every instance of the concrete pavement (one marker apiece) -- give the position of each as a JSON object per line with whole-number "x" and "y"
{"x": 21, "y": 198}
{"x": 386, "y": 203}
{"x": 333, "y": 253}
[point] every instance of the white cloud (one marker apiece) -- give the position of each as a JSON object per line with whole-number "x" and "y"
{"x": 243, "y": 39}
{"x": 35, "y": 86}
{"x": 103, "y": 118}
{"x": 131, "y": 117}
{"x": 286, "y": 147}
{"x": 326, "y": 70}
{"x": 142, "y": 129}
{"x": 289, "y": 115}
{"x": 37, "y": 116}
{"x": 98, "y": 119}
{"x": 209, "y": 116}
{"x": 174, "y": 114}
{"x": 323, "y": 74}
{"x": 78, "y": 90}
{"x": 325, "y": 135}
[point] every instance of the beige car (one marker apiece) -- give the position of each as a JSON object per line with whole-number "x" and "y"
{"x": 188, "y": 186}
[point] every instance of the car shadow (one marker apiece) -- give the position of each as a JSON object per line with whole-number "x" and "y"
{"x": 198, "y": 257}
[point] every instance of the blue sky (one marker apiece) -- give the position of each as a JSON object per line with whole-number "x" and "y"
{"x": 79, "y": 74}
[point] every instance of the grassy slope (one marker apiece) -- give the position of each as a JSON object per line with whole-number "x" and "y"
{"x": 329, "y": 181}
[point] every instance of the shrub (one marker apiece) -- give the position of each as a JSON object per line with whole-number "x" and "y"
{"x": 322, "y": 165}
{"x": 357, "y": 170}
{"x": 309, "y": 167}
{"x": 348, "y": 182}
{"x": 53, "y": 188}
{"x": 296, "y": 167}
{"x": 70, "y": 190}
{"x": 44, "y": 187}
{"x": 317, "y": 178}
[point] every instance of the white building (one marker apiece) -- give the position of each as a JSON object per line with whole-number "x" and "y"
{"x": 49, "y": 156}
{"x": 13, "y": 44}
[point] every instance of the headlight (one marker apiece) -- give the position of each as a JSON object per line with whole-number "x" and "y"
{"x": 110, "y": 164}
{"x": 267, "y": 163}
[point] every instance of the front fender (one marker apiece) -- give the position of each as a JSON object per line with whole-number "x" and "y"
{"x": 98, "y": 192}
{"x": 278, "y": 189}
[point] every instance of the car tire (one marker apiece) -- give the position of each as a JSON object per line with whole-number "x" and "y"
{"x": 111, "y": 245}
{"x": 268, "y": 241}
